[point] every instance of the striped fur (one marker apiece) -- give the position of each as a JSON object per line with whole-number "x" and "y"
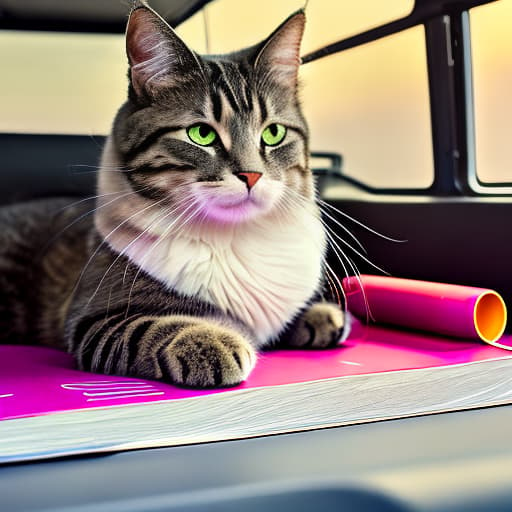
{"x": 186, "y": 270}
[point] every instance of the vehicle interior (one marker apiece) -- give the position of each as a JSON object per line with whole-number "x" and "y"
{"x": 408, "y": 103}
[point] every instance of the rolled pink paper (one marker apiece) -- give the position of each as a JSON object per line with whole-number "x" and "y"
{"x": 446, "y": 309}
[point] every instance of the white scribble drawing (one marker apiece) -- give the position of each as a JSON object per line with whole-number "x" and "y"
{"x": 111, "y": 390}
{"x": 351, "y": 363}
{"x": 125, "y": 396}
{"x": 7, "y": 395}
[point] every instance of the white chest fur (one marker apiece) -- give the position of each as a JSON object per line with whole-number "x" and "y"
{"x": 262, "y": 272}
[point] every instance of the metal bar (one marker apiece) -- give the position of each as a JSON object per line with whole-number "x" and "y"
{"x": 442, "y": 105}
{"x": 424, "y": 10}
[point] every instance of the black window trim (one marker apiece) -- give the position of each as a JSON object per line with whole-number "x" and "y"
{"x": 54, "y": 20}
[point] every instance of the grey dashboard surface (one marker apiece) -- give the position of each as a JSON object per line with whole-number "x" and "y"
{"x": 447, "y": 462}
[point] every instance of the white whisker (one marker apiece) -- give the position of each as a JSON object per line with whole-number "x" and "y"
{"x": 105, "y": 239}
{"x": 339, "y": 224}
{"x": 167, "y": 214}
{"x": 364, "y": 226}
{"x": 157, "y": 243}
{"x": 362, "y": 256}
{"x": 355, "y": 272}
{"x": 83, "y": 215}
{"x": 123, "y": 252}
{"x": 296, "y": 201}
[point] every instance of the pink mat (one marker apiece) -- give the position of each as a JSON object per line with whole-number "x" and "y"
{"x": 37, "y": 380}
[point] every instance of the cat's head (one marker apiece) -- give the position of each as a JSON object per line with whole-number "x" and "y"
{"x": 220, "y": 137}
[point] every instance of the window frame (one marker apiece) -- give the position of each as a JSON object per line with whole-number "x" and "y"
{"x": 474, "y": 182}
{"x": 449, "y": 65}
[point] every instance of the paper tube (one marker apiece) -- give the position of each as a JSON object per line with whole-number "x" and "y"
{"x": 445, "y": 309}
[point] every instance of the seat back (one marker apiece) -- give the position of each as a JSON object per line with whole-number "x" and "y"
{"x": 33, "y": 166}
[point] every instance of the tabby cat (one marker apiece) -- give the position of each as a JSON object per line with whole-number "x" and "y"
{"x": 206, "y": 244}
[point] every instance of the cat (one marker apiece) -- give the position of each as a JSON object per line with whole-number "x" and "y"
{"x": 206, "y": 244}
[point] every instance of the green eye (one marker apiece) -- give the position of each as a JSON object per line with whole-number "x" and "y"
{"x": 273, "y": 134}
{"x": 202, "y": 134}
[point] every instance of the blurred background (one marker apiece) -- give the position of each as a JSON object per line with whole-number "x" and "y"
{"x": 370, "y": 103}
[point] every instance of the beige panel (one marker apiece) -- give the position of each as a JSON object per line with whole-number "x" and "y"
{"x": 236, "y": 24}
{"x": 61, "y": 83}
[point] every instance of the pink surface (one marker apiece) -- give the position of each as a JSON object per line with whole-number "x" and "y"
{"x": 444, "y": 309}
{"x": 37, "y": 380}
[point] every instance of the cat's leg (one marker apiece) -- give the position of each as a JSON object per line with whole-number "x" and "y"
{"x": 320, "y": 325}
{"x": 185, "y": 350}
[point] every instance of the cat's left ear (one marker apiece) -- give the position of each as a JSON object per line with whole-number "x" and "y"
{"x": 280, "y": 54}
{"x": 157, "y": 56}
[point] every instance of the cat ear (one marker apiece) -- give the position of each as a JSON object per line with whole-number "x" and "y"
{"x": 280, "y": 54}
{"x": 157, "y": 56}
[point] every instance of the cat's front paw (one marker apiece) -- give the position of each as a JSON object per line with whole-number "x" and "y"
{"x": 322, "y": 325}
{"x": 205, "y": 355}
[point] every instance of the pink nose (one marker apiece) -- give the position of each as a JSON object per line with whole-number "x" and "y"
{"x": 250, "y": 178}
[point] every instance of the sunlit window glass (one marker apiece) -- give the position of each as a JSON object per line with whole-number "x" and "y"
{"x": 74, "y": 83}
{"x": 491, "y": 45}
{"x": 234, "y": 24}
{"x": 61, "y": 83}
{"x": 371, "y": 104}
